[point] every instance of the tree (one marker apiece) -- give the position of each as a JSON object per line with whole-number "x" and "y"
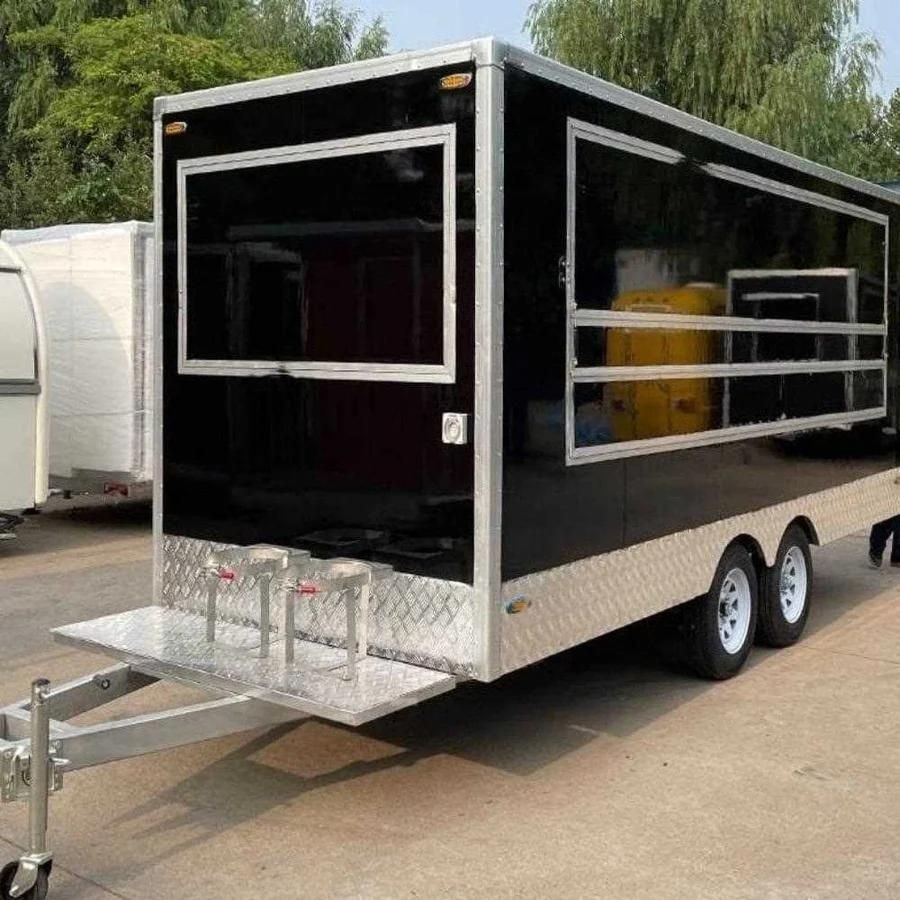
{"x": 881, "y": 161}
{"x": 310, "y": 36}
{"x": 77, "y": 92}
{"x": 794, "y": 74}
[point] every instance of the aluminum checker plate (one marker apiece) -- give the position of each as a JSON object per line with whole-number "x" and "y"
{"x": 171, "y": 643}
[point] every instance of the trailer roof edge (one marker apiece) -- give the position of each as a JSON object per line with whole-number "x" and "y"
{"x": 484, "y": 51}
{"x": 492, "y": 51}
{"x": 565, "y": 75}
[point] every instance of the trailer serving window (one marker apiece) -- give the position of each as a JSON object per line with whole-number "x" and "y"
{"x": 329, "y": 260}
{"x": 706, "y": 304}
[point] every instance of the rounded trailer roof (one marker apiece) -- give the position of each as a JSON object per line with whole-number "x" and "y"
{"x": 9, "y": 259}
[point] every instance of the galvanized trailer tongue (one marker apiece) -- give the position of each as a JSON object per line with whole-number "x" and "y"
{"x": 259, "y": 674}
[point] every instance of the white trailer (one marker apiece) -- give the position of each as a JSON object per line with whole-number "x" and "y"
{"x": 95, "y": 288}
{"x": 23, "y": 394}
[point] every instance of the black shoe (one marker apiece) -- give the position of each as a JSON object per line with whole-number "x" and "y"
{"x": 874, "y": 560}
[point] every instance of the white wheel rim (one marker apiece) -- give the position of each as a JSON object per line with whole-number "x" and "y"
{"x": 792, "y": 585}
{"x": 735, "y": 604}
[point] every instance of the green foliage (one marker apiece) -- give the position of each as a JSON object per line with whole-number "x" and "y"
{"x": 120, "y": 65}
{"x": 791, "y": 73}
{"x": 57, "y": 184}
{"x": 319, "y": 36}
{"x": 880, "y": 143}
{"x": 79, "y": 76}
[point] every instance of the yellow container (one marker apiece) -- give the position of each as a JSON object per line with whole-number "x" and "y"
{"x": 647, "y": 409}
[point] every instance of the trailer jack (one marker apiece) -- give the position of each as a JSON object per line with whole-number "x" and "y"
{"x": 38, "y": 745}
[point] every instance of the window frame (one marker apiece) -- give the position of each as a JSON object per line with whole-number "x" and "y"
{"x": 443, "y": 136}
{"x": 593, "y": 318}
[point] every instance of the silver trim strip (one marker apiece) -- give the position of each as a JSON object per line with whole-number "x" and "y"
{"x": 571, "y": 303}
{"x": 332, "y": 371}
{"x": 748, "y": 179}
{"x": 445, "y": 373}
{"x": 887, "y": 292}
{"x": 597, "y": 318}
{"x": 673, "y": 442}
{"x": 619, "y": 96}
{"x": 638, "y": 147}
{"x": 620, "y": 141}
{"x": 824, "y": 271}
{"x": 157, "y": 351}
{"x": 488, "y": 440}
{"x": 348, "y": 73}
{"x": 601, "y": 374}
{"x": 377, "y": 142}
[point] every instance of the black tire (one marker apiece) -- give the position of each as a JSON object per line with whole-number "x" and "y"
{"x": 774, "y": 628}
{"x": 38, "y": 892}
{"x": 707, "y": 653}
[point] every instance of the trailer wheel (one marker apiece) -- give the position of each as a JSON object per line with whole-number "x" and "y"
{"x": 787, "y": 588}
{"x": 38, "y": 892}
{"x": 722, "y": 623}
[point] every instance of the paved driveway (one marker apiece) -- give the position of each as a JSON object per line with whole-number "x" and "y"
{"x": 604, "y": 772}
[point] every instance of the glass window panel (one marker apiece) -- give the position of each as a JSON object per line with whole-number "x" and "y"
{"x": 595, "y": 347}
{"x": 751, "y": 347}
{"x": 870, "y": 346}
{"x": 868, "y": 390}
{"x": 641, "y": 410}
{"x": 653, "y": 235}
{"x": 322, "y": 260}
{"x": 648, "y": 347}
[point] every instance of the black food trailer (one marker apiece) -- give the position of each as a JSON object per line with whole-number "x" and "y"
{"x": 465, "y": 358}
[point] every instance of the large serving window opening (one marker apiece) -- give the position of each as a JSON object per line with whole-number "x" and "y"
{"x": 328, "y": 260}
{"x": 706, "y": 304}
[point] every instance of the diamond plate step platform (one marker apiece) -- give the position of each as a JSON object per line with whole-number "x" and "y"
{"x": 171, "y": 643}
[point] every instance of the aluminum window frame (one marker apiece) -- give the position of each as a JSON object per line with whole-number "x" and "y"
{"x": 443, "y": 136}
{"x": 592, "y": 318}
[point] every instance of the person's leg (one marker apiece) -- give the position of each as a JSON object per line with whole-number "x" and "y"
{"x": 895, "y": 541}
{"x": 878, "y": 538}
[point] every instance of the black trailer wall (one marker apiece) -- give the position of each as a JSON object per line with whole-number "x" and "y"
{"x": 338, "y": 259}
{"x": 554, "y": 513}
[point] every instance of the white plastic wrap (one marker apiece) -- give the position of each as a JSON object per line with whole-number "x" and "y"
{"x": 96, "y": 295}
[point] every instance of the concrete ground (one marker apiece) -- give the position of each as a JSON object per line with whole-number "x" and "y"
{"x": 604, "y": 772}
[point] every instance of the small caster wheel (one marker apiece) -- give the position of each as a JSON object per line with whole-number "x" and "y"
{"x": 37, "y": 892}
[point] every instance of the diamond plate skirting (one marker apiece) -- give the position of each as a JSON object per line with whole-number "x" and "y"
{"x": 424, "y": 621}
{"x": 582, "y": 600}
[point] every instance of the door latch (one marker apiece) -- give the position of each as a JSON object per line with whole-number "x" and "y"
{"x": 455, "y": 428}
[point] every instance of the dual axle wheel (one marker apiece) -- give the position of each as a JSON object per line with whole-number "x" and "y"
{"x": 741, "y": 606}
